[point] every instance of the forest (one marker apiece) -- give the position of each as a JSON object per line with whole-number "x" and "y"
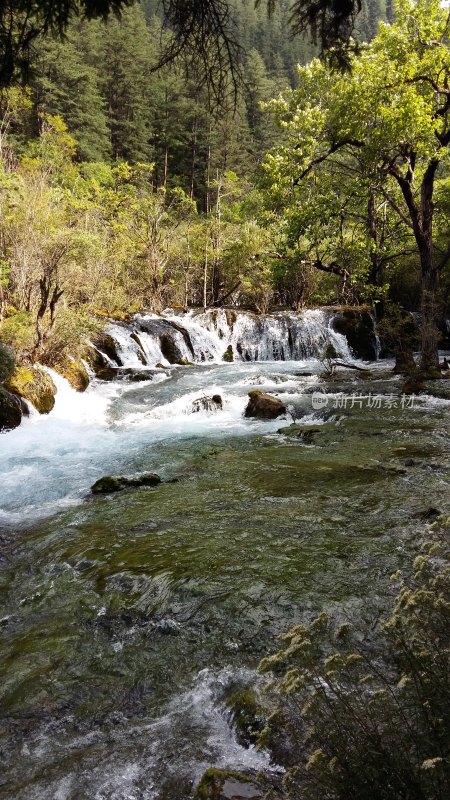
{"x": 148, "y": 193}
{"x": 224, "y": 398}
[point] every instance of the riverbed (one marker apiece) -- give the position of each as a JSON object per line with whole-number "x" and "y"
{"x": 127, "y": 620}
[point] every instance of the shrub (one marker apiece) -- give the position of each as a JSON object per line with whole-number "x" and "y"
{"x": 7, "y": 362}
{"x": 372, "y": 720}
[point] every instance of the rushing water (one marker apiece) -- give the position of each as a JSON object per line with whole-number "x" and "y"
{"x": 129, "y": 619}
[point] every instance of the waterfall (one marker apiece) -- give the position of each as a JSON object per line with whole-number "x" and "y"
{"x": 218, "y": 335}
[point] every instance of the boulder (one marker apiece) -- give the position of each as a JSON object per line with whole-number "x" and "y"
{"x": 357, "y": 325}
{"x": 264, "y": 406}
{"x": 12, "y": 408}
{"x": 141, "y": 352}
{"x": 170, "y": 349}
{"x": 75, "y": 372}
{"x": 34, "y": 385}
{"x": 103, "y": 344}
{"x": 228, "y": 354}
{"x": 109, "y": 484}
{"x": 223, "y": 784}
{"x": 213, "y": 403}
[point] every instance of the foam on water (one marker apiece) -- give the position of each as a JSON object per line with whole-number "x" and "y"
{"x": 50, "y": 461}
{"x": 141, "y": 756}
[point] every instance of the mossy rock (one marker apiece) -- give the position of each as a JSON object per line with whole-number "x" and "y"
{"x": 249, "y": 718}
{"x": 109, "y": 484}
{"x": 431, "y": 374}
{"x": 34, "y": 385}
{"x": 224, "y": 784}
{"x": 306, "y": 433}
{"x": 184, "y": 362}
{"x": 228, "y": 354}
{"x": 75, "y": 372}
{"x": 12, "y": 408}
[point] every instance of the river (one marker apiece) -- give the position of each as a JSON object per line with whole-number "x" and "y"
{"x": 128, "y": 619}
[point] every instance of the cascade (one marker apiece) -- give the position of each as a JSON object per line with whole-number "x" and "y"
{"x": 216, "y": 335}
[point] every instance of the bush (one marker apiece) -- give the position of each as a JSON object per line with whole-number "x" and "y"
{"x": 7, "y": 362}
{"x": 68, "y": 337}
{"x": 372, "y": 721}
{"x": 18, "y": 331}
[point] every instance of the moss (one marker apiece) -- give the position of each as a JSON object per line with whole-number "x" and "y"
{"x": 184, "y": 362}
{"x": 34, "y": 385}
{"x": 430, "y": 374}
{"x": 248, "y": 716}
{"x": 228, "y": 354}
{"x": 75, "y": 372}
{"x": 254, "y": 393}
{"x": 211, "y": 784}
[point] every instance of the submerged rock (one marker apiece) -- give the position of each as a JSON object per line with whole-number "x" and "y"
{"x": 34, "y": 385}
{"x": 264, "y": 406}
{"x": 109, "y": 484}
{"x": 306, "y": 433}
{"x": 223, "y": 784}
{"x": 214, "y": 403}
{"x": 12, "y": 408}
{"x": 132, "y": 374}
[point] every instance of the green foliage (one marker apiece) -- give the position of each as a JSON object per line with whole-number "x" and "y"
{"x": 7, "y": 362}
{"x": 361, "y": 158}
{"x": 370, "y": 718}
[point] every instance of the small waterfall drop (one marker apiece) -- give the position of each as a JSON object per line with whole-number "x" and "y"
{"x": 216, "y": 335}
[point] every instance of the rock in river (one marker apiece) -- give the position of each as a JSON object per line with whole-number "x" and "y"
{"x": 213, "y": 403}
{"x": 11, "y": 410}
{"x": 34, "y": 385}
{"x": 109, "y": 484}
{"x": 264, "y": 406}
{"x": 222, "y": 784}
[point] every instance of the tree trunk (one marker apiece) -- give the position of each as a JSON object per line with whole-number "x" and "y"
{"x": 429, "y": 359}
{"x": 421, "y": 216}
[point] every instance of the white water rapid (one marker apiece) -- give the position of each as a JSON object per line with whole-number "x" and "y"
{"x": 123, "y": 427}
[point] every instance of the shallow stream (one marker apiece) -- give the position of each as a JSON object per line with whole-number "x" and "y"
{"x": 127, "y": 620}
